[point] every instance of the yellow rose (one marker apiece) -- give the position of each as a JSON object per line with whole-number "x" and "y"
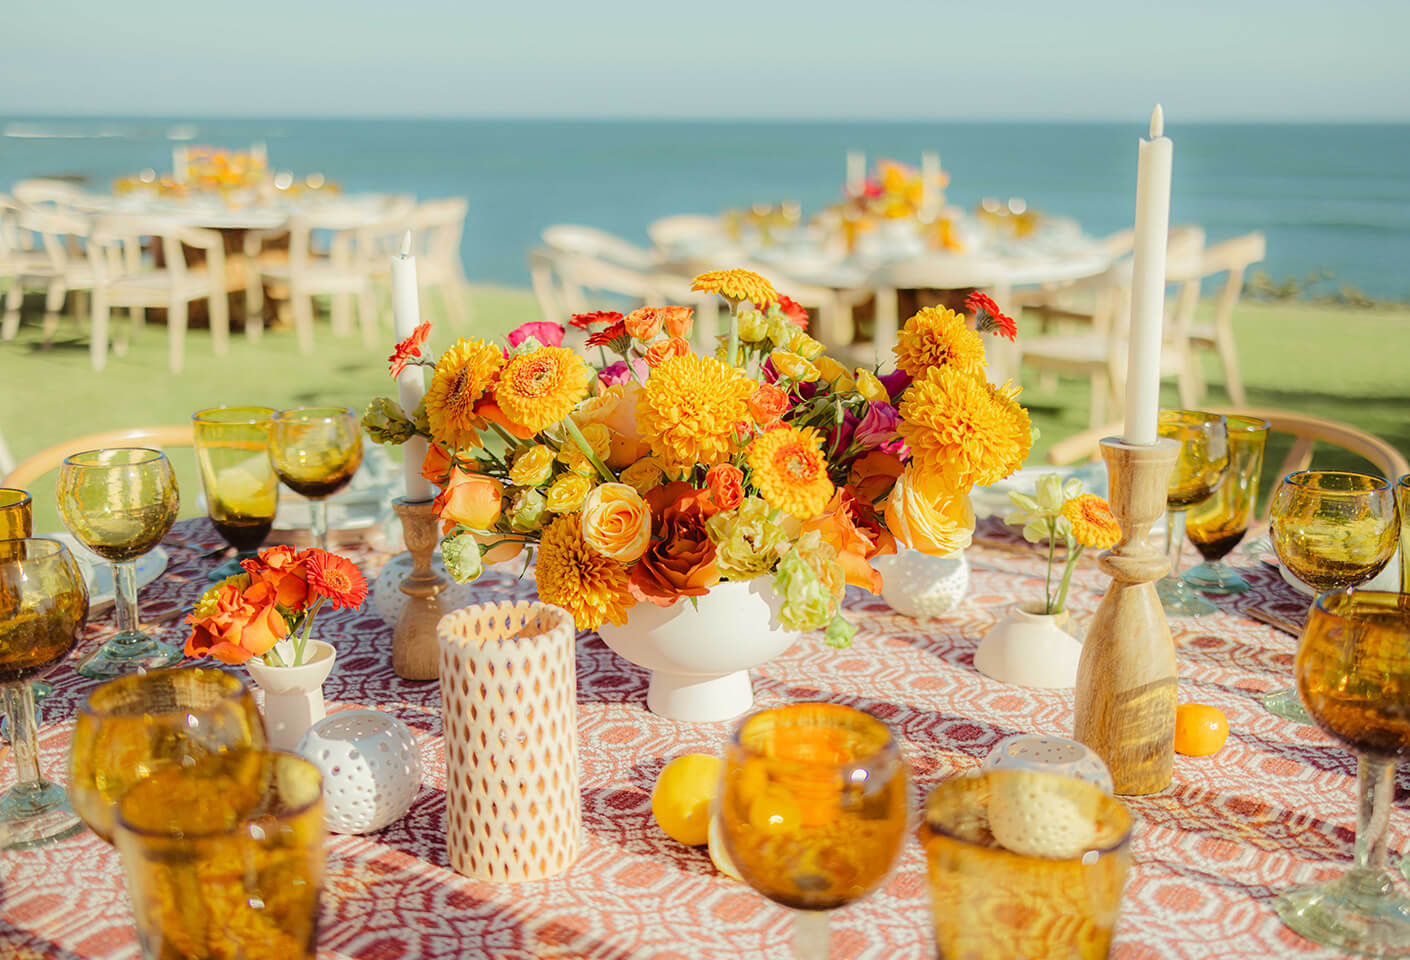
{"x": 615, "y": 409}
{"x": 616, "y": 522}
{"x": 532, "y": 466}
{"x": 804, "y": 345}
{"x": 645, "y": 475}
{"x": 871, "y": 388}
{"x": 835, "y": 374}
{"x": 752, "y": 326}
{"x": 928, "y": 513}
{"x": 567, "y": 493}
{"x": 598, "y": 437}
{"x": 794, "y": 367}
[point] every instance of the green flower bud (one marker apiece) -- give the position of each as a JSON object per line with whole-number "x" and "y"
{"x": 386, "y": 422}
{"x": 461, "y": 555}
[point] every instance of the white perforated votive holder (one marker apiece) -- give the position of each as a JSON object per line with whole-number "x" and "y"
{"x": 1026, "y": 751}
{"x": 371, "y": 768}
{"x": 509, "y": 696}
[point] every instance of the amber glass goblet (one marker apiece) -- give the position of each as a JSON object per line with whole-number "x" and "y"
{"x": 43, "y": 609}
{"x": 1353, "y": 672}
{"x": 242, "y": 492}
{"x": 1198, "y": 471}
{"x": 224, "y": 857}
{"x": 1216, "y": 525}
{"x": 120, "y": 503}
{"x": 131, "y": 727}
{"x": 1402, "y": 503}
{"x": 1331, "y": 530}
{"x": 16, "y": 514}
{"x": 813, "y": 810}
{"x": 316, "y": 451}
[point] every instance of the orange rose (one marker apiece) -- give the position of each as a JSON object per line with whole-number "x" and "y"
{"x": 616, "y": 522}
{"x": 470, "y": 499}
{"x": 680, "y": 562}
{"x": 927, "y": 512}
{"x": 498, "y": 549}
{"x": 726, "y": 483}
{"x": 768, "y": 403}
{"x": 874, "y": 474}
{"x": 643, "y": 324}
{"x": 853, "y": 529}
{"x": 436, "y": 467}
{"x": 487, "y": 409}
{"x": 678, "y": 320}
{"x": 242, "y": 624}
{"x": 663, "y": 350}
{"x": 285, "y": 571}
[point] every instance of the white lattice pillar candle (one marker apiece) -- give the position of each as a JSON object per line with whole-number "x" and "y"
{"x": 509, "y": 692}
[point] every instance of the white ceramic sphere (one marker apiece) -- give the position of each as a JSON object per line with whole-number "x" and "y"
{"x": 388, "y": 600}
{"x": 917, "y": 585}
{"x": 371, "y": 768}
{"x": 1027, "y": 751}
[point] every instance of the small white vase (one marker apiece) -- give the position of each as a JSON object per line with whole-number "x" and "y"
{"x": 917, "y": 585}
{"x": 293, "y": 696}
{"x": 1030, "y": 648}
{"x": 700, "y": 653}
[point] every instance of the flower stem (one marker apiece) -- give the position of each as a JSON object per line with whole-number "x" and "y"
{"x": 586, "y": 448}
{"x": 302, "y": 641}
{"x": 509, "y": 438}
{"x": 1072, "y": 554}
{"x": 1048, "y": 584}
{"x": 733, "y": 346}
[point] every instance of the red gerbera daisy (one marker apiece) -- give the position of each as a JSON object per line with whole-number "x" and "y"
{"x": 615, "y": 337}
{"x": 336, "y": 579}
{"x": 409, "y": 349}
{"x": 796, "y": 314}
{"x": 988, "y": 318}
{"x": 585, "y": 320}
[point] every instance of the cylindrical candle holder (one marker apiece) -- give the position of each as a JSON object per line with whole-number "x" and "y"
{"x": 1125, "y": 697}
{"x": 414, "y": 651}
{"x": 509, "y": 699}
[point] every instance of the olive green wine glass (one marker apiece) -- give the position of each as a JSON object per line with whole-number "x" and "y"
{"x": 242, "y": 492}
{"x": 316, "y": 451}
{"x": 1198, "y": 471}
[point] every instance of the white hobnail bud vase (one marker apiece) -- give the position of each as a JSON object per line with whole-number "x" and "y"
{"x": 293, "y": 696}
{"x": 917, "y": 585}
{"x": 371, "y": 768}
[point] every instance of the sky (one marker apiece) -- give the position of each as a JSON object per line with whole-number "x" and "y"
{"x": 895, "y": 59}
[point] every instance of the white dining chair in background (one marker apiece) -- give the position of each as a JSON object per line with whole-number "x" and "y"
{"x": 438, "y": 226}
{"x": 1230, "y": 257}
{"x": 53, "y": 264}
{"x": 341, "y": 274}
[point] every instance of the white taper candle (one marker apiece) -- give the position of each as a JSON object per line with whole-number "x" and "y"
{"x": 1148, "y": 283}
{"x": 411, "y": 385}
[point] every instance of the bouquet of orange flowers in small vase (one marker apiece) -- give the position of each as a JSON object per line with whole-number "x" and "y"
{"x": 648, "y": 473}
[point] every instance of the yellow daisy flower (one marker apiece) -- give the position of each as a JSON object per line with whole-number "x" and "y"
{"x": 1093, "y": 523}
{"x": 736, "y": 285}
{"x": 964, "y": 427}
{"x": 462, "y": 375}
{"x": 571, "y": 575}
{"x": 688, "y": 408}
{"x": 788, "y": 467}
{"x": 539, "y": 388}
{"x": 936, "y": 337}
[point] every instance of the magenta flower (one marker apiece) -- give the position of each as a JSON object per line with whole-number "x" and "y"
{"x": 546, "y": 333}
{"x": 877, "y": 426}
{"x": 618, "y": 373}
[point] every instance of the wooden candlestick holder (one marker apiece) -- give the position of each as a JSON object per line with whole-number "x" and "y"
{"x": 1125, "y": 698}
{"x": 415, "y": 648}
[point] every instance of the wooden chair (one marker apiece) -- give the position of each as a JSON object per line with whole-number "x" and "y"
{"x": 50, "y": 266}
{"x": 1052, "y": 304}
{"x": 1307, "y": 432}
{"x": 438, "y": 226}
{"x": 342, "y": 274}
{"x": 1232, "y": 257}
{"x": 671, "y": 231}
{"x": 177, "y": 435}
{"x": 576, "y": 240}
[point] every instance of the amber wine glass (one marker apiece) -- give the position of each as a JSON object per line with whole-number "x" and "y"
{"x": 1330, "y": 529}
{"x": 43, "y": 608}
{"x": 1402, "y": 502}
{"x": 242, "y": 492}
{"x": 1217, "y": 525}
{"x": 316, "y": 451}
{"x": 1199, "y": 469}
{"x": 1353, "y": 672}
{"x": 813, "y": 810}
{"x": 119, "y": 503}
{"x": 16, "y": 514}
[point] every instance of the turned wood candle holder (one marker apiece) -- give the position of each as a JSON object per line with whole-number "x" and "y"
{"x": 415, "y": 649}
{"x": 1125, "y": 698}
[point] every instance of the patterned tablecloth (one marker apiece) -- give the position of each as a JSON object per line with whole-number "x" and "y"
{"x": 1274, "y": 808}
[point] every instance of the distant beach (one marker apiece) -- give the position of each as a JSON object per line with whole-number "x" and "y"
{"x": 1330, "y": 197}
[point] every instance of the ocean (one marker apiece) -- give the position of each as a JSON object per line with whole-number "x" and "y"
{"x": 1329, "y": 197}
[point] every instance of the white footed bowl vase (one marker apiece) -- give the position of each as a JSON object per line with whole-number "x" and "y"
{"x": 293, "y": 696}
{"x": 1030, "y": 648}
{"x": 699, "y": 654}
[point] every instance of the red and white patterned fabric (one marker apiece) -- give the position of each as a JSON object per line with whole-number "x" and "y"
{"x": 1273, "y": 809}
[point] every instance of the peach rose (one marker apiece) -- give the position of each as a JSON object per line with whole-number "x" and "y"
{"x": 678, "y": 320}
{"x": 470, "y": 499}
{"x": 928, "y": 513}
{"x": 643, "y": 323}
{"x": 615, "y": 408}
{"x": 241, "y": 623}
{"x": 436, "y": 467}
{"x": 497, "y": 548}
{"x": 616, "y": 522}
{"x": 726, "y": 484}
{"x": 680, "y": 561}
{"x": 767, "y": 403}
{"x": 853, "y": 529}
{"x": 663, "y": 350}
{"x": 874, "y": 473}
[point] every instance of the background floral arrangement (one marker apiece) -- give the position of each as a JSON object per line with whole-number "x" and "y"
{"x": 657, "y": 472}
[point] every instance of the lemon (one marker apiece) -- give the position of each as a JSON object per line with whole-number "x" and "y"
{"x": 680, "y": 801}
{"x": 718, "y": 856}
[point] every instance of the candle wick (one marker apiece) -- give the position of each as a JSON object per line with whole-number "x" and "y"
{"x": 1157, "y": 122}
{"x": 406, "y": 240}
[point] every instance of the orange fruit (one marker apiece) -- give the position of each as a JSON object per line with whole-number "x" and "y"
{"x": 1199, "y": 729}
{"x": 717, "y": 852}
{"x": 680, "y": 801}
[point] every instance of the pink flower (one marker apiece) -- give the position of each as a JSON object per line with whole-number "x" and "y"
{"x": 617, "y": 373}
{"x": 878, "y": 425}
{"x": 546, "y": 333}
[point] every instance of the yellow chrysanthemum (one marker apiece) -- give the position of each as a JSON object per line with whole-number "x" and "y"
{"x": 964, "y": 427}
{"x": 688, "y": 408}
{"x": 1093, "y": 523}
{"x": 539, "y": 388}
{"x": 571, "y": 575}
{"x": 936, "y": 337}
{"x": 736, "y": 285}
{"x": 463, "y": 374}
{"x": 788, "y": 467}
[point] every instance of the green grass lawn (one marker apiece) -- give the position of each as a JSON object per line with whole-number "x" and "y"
{"x": 1347, "y": 365}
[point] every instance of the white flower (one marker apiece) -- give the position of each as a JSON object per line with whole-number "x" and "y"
{"x": 1042, "y": 513}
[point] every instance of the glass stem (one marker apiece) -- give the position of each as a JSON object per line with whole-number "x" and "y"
{"x": 1175, "y": 539}
{"x": 125, "y": 581}
{"x": 19, "y": 706}
{"x": 811, "y": 937}
{"x": 1375, "y": 780}
{"x": 318, "y": 516}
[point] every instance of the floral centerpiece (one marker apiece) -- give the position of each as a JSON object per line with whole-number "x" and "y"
{"x": 648, "y": 473}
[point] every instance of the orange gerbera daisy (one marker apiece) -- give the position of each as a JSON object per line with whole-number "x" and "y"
{"x": 688, "y": 408}
{"x": 936, "y": 337}
{"x": 1093, "y": 523}
{"x": 737, "y": 285}
{"x": 539, "y": 388}
{"x": 336, "y": 579}
{"x": 571, "y": 575}
{"x": 964, "y": 427}
{"x": 463, "y": 375}
{"x": 788, "y": 467}
{"x": 407, "y": 350}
